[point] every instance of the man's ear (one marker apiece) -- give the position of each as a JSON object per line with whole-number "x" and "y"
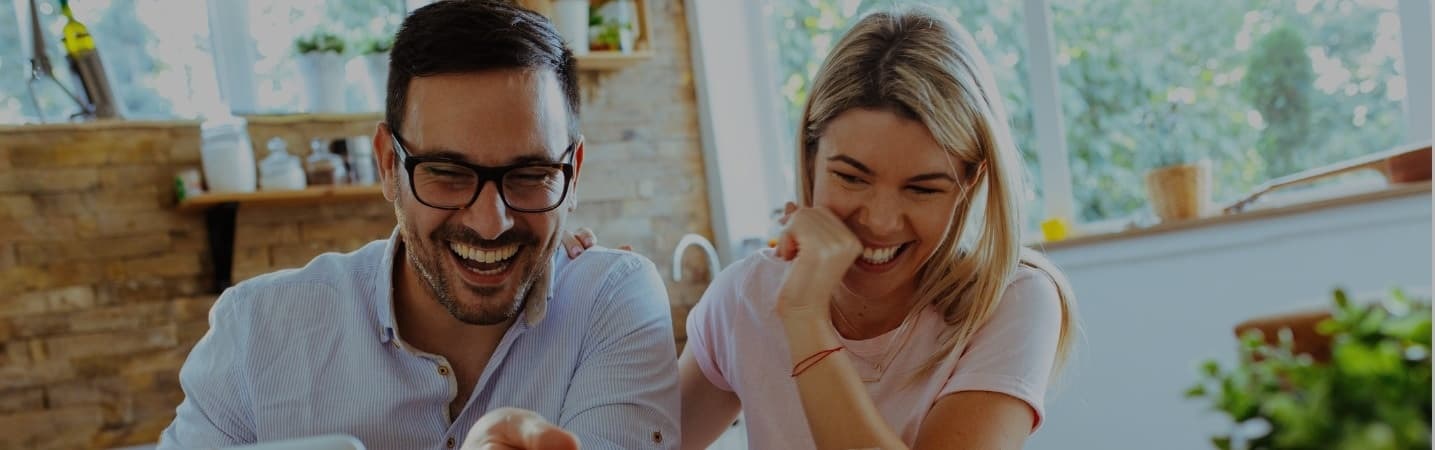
{"x": 577, "y": 159}
{"x": 384, "y": 156}
{"x": 577, "y": 168}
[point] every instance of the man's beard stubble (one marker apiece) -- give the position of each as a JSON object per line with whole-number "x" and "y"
{"x": 428, "y": 261}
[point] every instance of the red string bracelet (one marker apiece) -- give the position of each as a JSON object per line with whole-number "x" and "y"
{"x": 810, "y": 361}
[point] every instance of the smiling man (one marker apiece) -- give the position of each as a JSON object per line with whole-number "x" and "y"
{"x": 468, "y": 308}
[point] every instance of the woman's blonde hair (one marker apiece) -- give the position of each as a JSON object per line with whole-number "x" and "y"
{"x": 920, "y": 64}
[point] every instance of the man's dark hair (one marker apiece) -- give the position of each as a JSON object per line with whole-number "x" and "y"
{"x": 457, "y": 36}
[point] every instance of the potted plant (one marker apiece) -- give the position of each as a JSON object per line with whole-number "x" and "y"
{"x": 612, "y": 26}
{"x": 375, "y": 53}
{"x": 1178, "y": 183}
{"x": 1373, "y": 393}
{"x": 321, "y": 64}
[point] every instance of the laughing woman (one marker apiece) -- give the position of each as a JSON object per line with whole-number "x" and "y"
{"x": 899, "y": 309}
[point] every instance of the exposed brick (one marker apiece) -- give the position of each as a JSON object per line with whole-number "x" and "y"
{"x": 21, "y": 400}
{"x": 251, "y": 261}
{"x": 149, "y": 148}
{"x": 37, "y": 228}
{"x": 164, "y": 265}
{"x": 39, "y": 373}
{"x": 40, "y": 325}
{"x": 128, "y": 176}
{"x": 50, "y": 428}
{"x": 7, "y": 256}
{"x": 65, "y": 153}
{"x": 71, "y": 394}
{"x": 251, "y": 234}
{"x": 110, "y": 343}
{"x": 332, "y": 229}
{"x": 290, "y": 256}
{"x": 49, "y": 180}
{"x": 39, "y": 253}
{"x": 16, "y": 206}
{"x": 57, "y": 300}
{"x": 127, "y": 223}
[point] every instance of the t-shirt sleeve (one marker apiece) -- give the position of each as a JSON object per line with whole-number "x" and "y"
{"x": 710, "y": 324}
{"x": 1014, "y": 352}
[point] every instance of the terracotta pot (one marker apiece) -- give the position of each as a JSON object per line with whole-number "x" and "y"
{"x": 1302, "y": 324}
{"x": 1179, "y": 192}
{"x": 1409, "y": 167}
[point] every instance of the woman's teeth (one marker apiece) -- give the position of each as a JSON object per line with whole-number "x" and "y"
{"x": 879, "y": 255}
{"x": 484, "y": 256}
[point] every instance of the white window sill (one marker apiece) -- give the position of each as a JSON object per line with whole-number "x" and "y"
{"x": 1291, "y": 215}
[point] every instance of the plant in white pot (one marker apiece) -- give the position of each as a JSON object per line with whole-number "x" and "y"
{"x": 1178, "y": 179}
{"x": 321, "y": 65}
{"x": 375, "y": 53}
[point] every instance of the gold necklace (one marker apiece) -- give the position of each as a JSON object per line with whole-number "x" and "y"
{"x": 889, "y": 354}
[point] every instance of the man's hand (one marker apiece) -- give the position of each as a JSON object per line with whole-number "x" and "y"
{"x": 582, "y": 239}
{"x": 517, "y": 429}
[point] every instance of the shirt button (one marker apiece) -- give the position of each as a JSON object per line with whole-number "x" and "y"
{"x": 657, "y": 437}
{"x": 443, "y": 370}
{"x": 449, "y": 443}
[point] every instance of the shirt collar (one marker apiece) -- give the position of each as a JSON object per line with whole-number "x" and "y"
{"x": 533, "y": 312}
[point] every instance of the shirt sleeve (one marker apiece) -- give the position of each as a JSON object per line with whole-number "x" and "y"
{"x": 1013, "y": 353}
{"x": 704, "y": 326}
{"x": 216, "y": 411}
{"x": 624, "y": 393}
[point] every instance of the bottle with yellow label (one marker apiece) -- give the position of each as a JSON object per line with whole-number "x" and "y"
{"x": 84, "y": 59}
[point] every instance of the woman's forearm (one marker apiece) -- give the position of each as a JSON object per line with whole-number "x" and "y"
{"x": 840, "y": 413}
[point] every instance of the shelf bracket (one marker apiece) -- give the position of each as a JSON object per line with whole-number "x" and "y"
{"x": 219, "y": 225}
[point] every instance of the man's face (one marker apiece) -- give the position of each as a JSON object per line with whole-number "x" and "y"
{"x": 478, "y": 261}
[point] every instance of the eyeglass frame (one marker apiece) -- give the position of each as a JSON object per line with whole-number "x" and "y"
{"x": 484, "y": 174}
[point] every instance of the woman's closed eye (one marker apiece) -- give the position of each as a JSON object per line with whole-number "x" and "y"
{"x": 849, "y": 179}
{"x": 922, "y": 190}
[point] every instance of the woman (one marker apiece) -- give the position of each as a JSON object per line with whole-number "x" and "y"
{"x": 899, "y": 309}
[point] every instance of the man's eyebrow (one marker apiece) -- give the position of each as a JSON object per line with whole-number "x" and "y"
{"x": 453, "y": 155}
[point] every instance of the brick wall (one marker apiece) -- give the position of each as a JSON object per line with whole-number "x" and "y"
{"x": 104, "y": 285}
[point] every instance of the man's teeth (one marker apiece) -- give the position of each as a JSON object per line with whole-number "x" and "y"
{"x": 484, "y": 256}
{"x": 879, "y": 255}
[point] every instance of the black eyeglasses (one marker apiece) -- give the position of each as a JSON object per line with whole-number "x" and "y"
{"x": 445, "y": 183}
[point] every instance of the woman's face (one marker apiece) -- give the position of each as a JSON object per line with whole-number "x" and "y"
{"x": 895, "y": 187}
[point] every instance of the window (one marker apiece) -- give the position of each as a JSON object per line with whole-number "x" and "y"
{"x": 806, "y": 30}
{"x": 1262, "y": 90}
{"x": 159, "y": 67}
{"x": 274, "y": 26}
{"x": 161, "y": 56}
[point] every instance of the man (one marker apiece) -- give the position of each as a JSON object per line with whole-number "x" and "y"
{"x": 468, "y": 308}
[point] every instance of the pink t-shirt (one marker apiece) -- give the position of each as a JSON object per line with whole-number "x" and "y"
{"x": 740, "y": 346}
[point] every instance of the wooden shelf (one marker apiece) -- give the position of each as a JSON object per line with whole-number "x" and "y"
{"x": 610, "y": 60}
{"x": 306, "y": 196}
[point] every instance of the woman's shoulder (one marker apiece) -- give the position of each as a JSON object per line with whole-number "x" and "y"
{"x": 750, "y": 281}
{"x": 1035, "y": 287}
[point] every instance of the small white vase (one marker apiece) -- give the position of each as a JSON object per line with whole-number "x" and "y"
{"x": 377, "y": 65}
{"x": 323, "y": 75}
{"x": 570, "y": 17}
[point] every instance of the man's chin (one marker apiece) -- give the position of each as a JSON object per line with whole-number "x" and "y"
{"x": 475, "y": 309}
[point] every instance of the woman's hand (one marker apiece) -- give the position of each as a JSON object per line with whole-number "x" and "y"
{"x": 821, "y": 249}
{"x": 582, "y": 239}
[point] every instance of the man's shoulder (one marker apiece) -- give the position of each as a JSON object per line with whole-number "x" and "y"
{"x": 602, "y": 278}
{"x": 603, "y": 265}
